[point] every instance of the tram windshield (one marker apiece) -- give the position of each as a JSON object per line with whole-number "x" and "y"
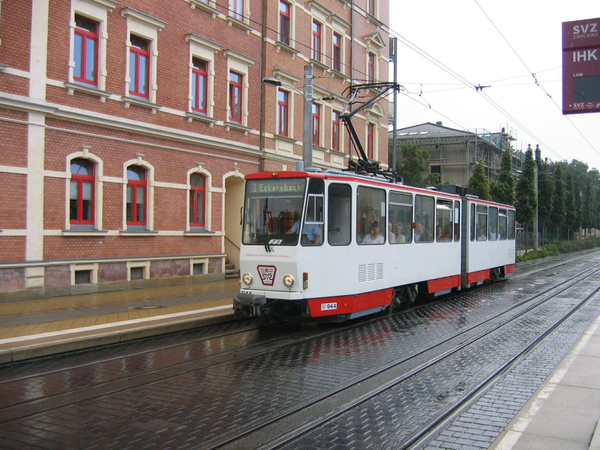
{"x": 273, "y": 209}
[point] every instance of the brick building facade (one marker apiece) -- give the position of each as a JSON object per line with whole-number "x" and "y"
{"x": 126, "y": 128}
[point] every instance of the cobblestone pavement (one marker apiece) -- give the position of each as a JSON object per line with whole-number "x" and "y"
{"x": 201, "y": 403}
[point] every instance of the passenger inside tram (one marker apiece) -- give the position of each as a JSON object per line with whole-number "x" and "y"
{"x": 374, "y": 237}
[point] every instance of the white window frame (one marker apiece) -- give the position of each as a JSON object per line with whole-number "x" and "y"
{"x": 92, "y": 267}
{"x": 375, "y": 67}
{"x": 339, "y": 26}
{"x": 374, "y": 13}
{"x": 245, "y": 12}
{"x": 146, "y": 27}
{"x": 200, "y": 170}
{"x": 206, "y": 50}
{"x": 98, "y": 186}
{"x": 374, "y": 116}
{"x": 149, "y": 191}
{"x": 374, "y": 44}
{"x": 96, "y": 10}
{"x": 136, "y": 265}
{"x": 203, "y": 261}
{"x": 292, "y": 5}
{"x": 321, "y": 15}
{"x": 288, "y": 83}
{"x": 236, "y": 62}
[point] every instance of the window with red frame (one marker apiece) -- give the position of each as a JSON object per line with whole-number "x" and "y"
{"x": 337, "y": 52}
{"x": 370, "y": 141}
{"x": 235, "y": 97}
{"x": 283, "y": 112}
{"x": 371, "y": 7}
{"x": 139, "y": 66}
{"x": 238, "y": 9}
{"x": 316, "y": 33}
{"x": 197, "y": 199}
{"x": 284, "y": 22}
{"x": 371, "y": 68}
{"x": 85, "y": 51}
{"x": 335, "y": 130}
{"x": 316, "y": 116}
{"x": 136, "y": 196}
{"x": 199, "y": 85}
{"x": 81, "y": 204}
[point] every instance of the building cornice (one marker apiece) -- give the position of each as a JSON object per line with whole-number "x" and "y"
{"x": 143, "y": 17}
{"x": 95, "y": 119}
{"x": 109, "y": 5}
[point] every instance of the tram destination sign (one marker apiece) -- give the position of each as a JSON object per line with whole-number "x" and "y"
{"x": 581, "y": 66}
{"x": 276, "y": 186}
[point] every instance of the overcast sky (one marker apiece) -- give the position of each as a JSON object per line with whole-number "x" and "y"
{"x": 462, "y": 36}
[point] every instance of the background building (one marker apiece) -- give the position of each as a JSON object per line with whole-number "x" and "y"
{"x": 454, "y": 153}
{"x": 126, "y": 129}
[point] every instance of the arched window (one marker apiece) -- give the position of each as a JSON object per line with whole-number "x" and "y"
{"x": 197, "y": 200}
{"x": 136, "y": 196}
{"x": 81, "y": 204}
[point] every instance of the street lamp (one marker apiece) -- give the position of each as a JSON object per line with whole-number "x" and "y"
{"x": 307, "y": 122}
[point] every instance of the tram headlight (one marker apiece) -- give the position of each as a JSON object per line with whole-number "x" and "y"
{"x": 288, "y": 281}
{"x": 247, "y": 279}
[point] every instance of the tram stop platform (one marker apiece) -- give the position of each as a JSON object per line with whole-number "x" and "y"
{"x": 563, "y": 414}
{"x": 56, "y": 325}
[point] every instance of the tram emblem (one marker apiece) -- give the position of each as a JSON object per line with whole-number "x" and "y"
{"x": 267, "y": 274}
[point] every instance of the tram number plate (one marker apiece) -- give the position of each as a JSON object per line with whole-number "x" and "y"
{"x": 328, "y": 306}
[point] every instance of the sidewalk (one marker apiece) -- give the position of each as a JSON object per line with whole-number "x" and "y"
{"x": 55, "y": 325}
{"x": 564, "y": 412}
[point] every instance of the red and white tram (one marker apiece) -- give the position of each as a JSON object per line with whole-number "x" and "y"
{"x": 335, "y": 245}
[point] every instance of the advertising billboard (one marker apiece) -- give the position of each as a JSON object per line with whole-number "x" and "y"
{"x": 581, "y": 66}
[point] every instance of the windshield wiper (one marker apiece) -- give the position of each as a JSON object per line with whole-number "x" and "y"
{"x": 266, "y": 219}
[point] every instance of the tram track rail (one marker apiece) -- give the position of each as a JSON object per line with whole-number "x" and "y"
{"x": 322, "y": 406}
{"x": 247, "y": 328}
{"x": 327, "y": 407}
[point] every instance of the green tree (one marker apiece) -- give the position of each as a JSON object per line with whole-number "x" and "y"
{"x": 558, "y": 201}
{"x": 569, "y": 204}
{"x": 587, "y": 212}
{"x": 578, "y": 219}
{"x": 545, "y": 192}
{"x": 597, "y": 209}
{"x": 434, "y": 179}
{"x": 526, "y": 201}
{"x": 503, "y": 190}
{"x": 414, "y": 163}
{"x": 479, "y": 184}
{"x": 594, "y": 207}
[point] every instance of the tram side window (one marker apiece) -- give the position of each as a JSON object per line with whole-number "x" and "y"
{"x": 424, "y": 218}
{"x": 371, "y": 215}
{"x": 401, "y": 213}
{"x": 482, "y": 222}
{"x": 312, "y": 230}
{"x": 493, "y": 223}
{"x": 456, "y": 221}
{"x": 511, "y": 224}
{"x": 339, "y": 214}
{"x": 473, "y": 218}
{"x": 502, "y": 225}
{"x": 443, "y": 221}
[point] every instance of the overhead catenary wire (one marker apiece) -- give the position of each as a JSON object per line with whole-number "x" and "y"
{"x": 464, "y": 81}
{"x": 468, "y": 84}
{"x": 537, "y": 82}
